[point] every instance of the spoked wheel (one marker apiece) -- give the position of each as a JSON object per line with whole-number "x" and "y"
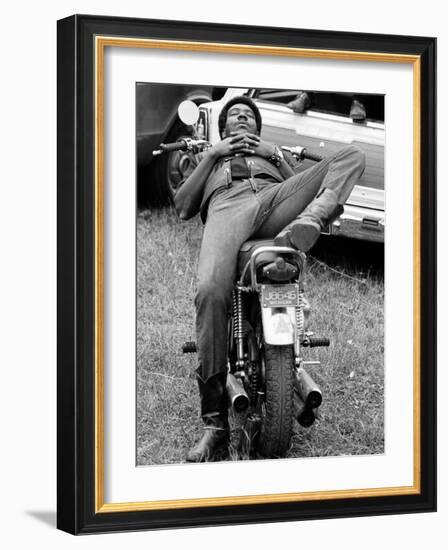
{"x": 278, "y": 407}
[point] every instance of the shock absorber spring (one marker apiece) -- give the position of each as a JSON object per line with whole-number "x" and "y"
{"x": 238, "y": 323}
{"x": 237, "y": 313}
{"x": 300, "y": 325}
{"x": 300, "y": 322}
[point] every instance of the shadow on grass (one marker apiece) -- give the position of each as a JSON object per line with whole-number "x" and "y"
{"x": 345, "y": 289}
{"x": 352, "y": 255}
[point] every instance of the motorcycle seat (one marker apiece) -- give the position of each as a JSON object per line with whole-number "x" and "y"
{"x": 249, "y": 247}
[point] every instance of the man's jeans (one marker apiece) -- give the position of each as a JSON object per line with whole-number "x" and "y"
{"x": 238, "y": 213}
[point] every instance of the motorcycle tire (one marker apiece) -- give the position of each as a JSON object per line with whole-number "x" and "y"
{"x": 278, "y": 407}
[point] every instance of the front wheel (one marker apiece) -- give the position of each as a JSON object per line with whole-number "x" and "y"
{"x": 278, "y": 406}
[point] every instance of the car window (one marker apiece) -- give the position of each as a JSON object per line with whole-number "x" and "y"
{"x": 279, "y": 96}
{"x": 334, "y": 103}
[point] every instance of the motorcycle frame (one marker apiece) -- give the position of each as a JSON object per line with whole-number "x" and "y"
{"x": 253, "y": 286}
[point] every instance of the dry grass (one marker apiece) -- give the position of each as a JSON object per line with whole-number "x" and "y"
{"x": 346, "y": 293}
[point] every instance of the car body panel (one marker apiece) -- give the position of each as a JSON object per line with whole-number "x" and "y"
{"x": 156, "y": 112}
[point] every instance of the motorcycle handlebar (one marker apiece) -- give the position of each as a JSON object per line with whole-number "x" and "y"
{"x": 300, "y": 153}
{"x": 184, "y": 144}
{"x": 312, "y": 156}
{"x": 180, "y": 145}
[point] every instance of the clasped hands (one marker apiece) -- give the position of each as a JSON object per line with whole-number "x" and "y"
{"x": 243, "y": 143}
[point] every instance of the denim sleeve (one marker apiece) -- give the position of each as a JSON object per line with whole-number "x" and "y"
{"x": 295, "y": 165}
{"x": 194, "y": 160}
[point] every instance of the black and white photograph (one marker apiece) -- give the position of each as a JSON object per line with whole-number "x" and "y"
{"x": 260, "y": 229}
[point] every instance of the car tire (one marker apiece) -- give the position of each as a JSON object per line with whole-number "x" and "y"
{"x": 165, "y": 173}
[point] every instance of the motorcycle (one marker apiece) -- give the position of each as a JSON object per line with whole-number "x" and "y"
{"x": 268, "y": 333}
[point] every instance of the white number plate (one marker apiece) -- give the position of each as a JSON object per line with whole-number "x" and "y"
{"x": 279, "y": 295}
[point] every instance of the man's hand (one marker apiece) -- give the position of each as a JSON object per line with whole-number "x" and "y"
{"x": 242, "y": 143}
{"x": 229, "y": 146}
{"x": 256, "y": 146}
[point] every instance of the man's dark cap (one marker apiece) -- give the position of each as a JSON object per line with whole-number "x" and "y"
{"x": 238, "y": 99}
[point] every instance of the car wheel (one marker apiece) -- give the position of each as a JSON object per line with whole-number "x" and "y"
{"x": 167, "y": 170}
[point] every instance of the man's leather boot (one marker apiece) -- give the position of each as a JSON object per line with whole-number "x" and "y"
{"x": 357, "y": 111}
{"x": 214, "y": 413}
{"x": 301, "y": 103}
{"x": 303, "y": 232}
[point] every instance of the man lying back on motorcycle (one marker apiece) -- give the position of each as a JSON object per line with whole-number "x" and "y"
{"x": 244, "y": 188}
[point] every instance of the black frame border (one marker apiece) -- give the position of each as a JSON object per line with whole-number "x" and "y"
{"x": 76, "y": 262}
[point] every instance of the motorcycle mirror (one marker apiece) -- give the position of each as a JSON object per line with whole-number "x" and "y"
{"x": 188, "y": 112}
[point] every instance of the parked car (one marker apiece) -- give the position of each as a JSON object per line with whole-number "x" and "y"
{"x": 323, "y": 129}
{"x": 157, "y": 121}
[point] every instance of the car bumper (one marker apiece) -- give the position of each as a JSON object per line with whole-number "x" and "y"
{"x": 358, "y": 223}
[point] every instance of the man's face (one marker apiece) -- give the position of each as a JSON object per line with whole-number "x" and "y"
{"x": 240, "y": 120}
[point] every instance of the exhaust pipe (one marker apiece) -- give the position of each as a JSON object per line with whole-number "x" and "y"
{"x": 238, "y": 397}
{"x": 305, "y": 417}
{"x": 307, "y": 389}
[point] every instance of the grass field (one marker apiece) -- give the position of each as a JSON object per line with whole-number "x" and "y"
{"x": 346, "y": 291}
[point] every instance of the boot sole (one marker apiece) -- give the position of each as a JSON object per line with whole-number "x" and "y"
{"x": 220, "y": 452}
{"x": 301, "y": 237}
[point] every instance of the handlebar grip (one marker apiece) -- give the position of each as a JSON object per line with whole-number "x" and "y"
{"x": 176, "y": 146}
{"x": 312, "y": 156}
